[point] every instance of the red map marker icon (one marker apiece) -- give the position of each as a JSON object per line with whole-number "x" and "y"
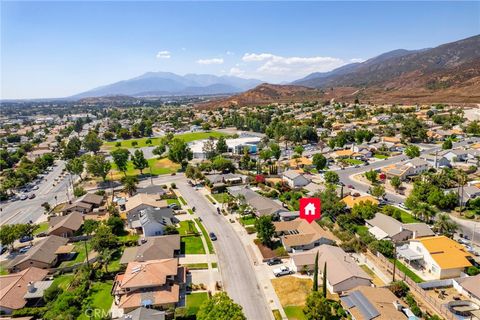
{"x": 310, "y": 209}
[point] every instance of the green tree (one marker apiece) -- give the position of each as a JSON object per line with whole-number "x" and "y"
{"x": 396, "y": 182}
{"x": 319, "y": 161}
{"x": 366, "y": 210}
{"x": 424, "y": 211}
{"x": 413, "y": 130}
{"x": 159, "y": 150}
{"x": 120, "y": 158}
{"x": 377, "y": 191}
{"x": 447, "y": 144}
{"x": 221, "y": 145}
{"x": 92, "y": 142}
{"x": 139, "y": 161}
{"x": 89, "y": 226}
{"x": 324, "y": 281}
{"x": 299, "y": 150}
{"x": 179, "y": 152}
{"x": 99, "y": 166}
{"x": 315, "y": 273}
{"x": 8, "y": 234}
{"x": 331, "y": 177}
{"x": 130, "y": 184}
{"x": 79, "y": 191}
{"x": 331, "y": 204}
{"x": 445, "y": 225}
{"x": 75, "y": 166}
{"x": 72, "y": 148}
{"x": 317, "y": 307}
{"x": 220, "y": 307}
{"x": 412, "y": 151}
{"x": 372, "y": 176}
{"x": 265, "y": 230}
{"x": 104, "y": 239}
{"x": 116, "y": 225}
{"x": 275, "y": 149}
{"x": 222, "y": 164}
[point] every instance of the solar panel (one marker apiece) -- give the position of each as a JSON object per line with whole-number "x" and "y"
{"x": 357, "y": 299}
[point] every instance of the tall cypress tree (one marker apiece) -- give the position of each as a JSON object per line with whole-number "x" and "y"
{"x": 315, "y": 275}
{"x": 324, "y": 284}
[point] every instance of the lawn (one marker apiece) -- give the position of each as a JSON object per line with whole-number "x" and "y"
{"x": 141, "y": 142}
{"x": 42, "y": 227}
{"x": 81, "y": 254}
{"x": 294, "y": 312}
{"x": 407, "y": 217}
{"x": 183, "y": 202}
{"x": 380, "y": 156}
{"x": 197, "y": 266}
{"x": 99, "y": 299}
{"x": 192, "y": 245}
{"x": 412, "y": 275}
{"x": 187, "y": 227}
{"x": 221, "y": 197}
{"x": 3, "y": 271}
{"x": 63, "y": 281}
{"x": 205, "y": 235}
{"x": 353, "y": 162}
{"x": 214, "y": 265}
{"x": 190, "y": 211}
{"x": 194, "y": 301}
{"x": 248, "y": 220}
{"x": 210, "y": 199}
{"x": 276, "y": 314}
{"x": 159, "y": 166}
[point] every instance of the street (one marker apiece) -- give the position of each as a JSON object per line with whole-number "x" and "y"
{"x": 239, "y": 277}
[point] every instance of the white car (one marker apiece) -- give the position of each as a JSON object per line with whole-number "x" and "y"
{"x": 23, "y": 197}
{"x": 282, "y": 271}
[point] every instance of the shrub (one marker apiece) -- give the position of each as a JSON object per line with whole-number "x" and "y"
{"x": 473, "y": 271}
{"x": 100, "y": 192}
{"x": 469, "y": 215}
{"x": 399, "y": 289}
{"x": 174, "y": 185}
{"x": 250, "y": 229}
{"x": 79, "y": 191}
{"x": 118, "y": 144}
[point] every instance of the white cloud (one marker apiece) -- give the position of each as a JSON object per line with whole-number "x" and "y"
{"x": 271, "y": 66}
{"x": 357, "y": 60}
{"x": 164, "y": 54}
{"x": 230, "y": 53}
{"x": 210, "y": 61}
{"x": 235, "y": 71}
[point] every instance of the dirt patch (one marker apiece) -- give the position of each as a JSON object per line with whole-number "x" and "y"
{"x": 268, "y": 253}
{"x": 292, "y": 290}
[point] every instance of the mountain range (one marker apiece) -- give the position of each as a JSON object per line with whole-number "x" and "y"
{"x": 167, "y": 83}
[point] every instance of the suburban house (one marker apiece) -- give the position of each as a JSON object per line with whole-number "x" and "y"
{"x": 441, "y": 256}
{"x": 154, "y": 283}
{"x": 139, "y": 202}
{"x": 154, "y": 248}
{"x": 152, "y": 221}
{"x": 219, "y": 182}
{"x": 466, "y": 193}
{"x": 85, "y": 204}
{"x": 367, "y": 303}
{"x": 406, "y": 169}
{"x": 143, "y": 313}
{"x": 35, "y": 292}
{"x": 385, "y": 227}
{"x": 42, "y": 255}
{"x": 469, "y": 287}
{"x": 435, "y": 160}
{"x": 65, "y": 226}
{"x": 261, "y": 205}
{"x": 299, "y": 235}
{"x": 294, "y": 179}
{"x": 302, "y": 162}
{"x": 14, "y": 287}
{"x": 456, "y": 155}
{"x": 351, "y": 201}
{"x": 234, "y": 145}
{"x": 343, "y": 273}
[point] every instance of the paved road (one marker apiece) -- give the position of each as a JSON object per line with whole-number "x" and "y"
{"x": 23, "y": 211}
{"x": 239, "y": 277}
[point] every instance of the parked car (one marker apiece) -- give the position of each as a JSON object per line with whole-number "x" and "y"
{"x": 41, "y": 235}
{"x": 24, "y": 249}
{"x": 174, "y": 206}
{"x": 282, "y": 271}
{"x": 26, "y": 239}
{"x": 31, "y": 196}
{"x": 3, "y": 249}
{"x": 274, "y": 261}
{"x": 212, "y": 236}
{"x": 23, "y": 197}
{"x": 35, "y": 188}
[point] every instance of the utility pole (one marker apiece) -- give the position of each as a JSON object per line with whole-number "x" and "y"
{"x": 86, "y": 252}
{"x": 394, "y": 260}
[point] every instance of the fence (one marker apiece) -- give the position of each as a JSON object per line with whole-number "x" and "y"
{"x": 434, "y": 304}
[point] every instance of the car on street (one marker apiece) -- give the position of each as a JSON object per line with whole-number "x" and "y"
{"x": 35, "y": 188}
{"x": 41, "y": 235}
{"x": 23, "y": 197}
{"x": 463, "y": 241}
{"x": 174, "y": 206}
{"x": 24, "y": 249}
{"x": 31, "y": 196}
{"x": 212, "y": 236}
{"x": 25, "y": 239}
{"x": 274, "y": 261}
{"x": 282, "y": 271}
{"x": 401, "y": 205}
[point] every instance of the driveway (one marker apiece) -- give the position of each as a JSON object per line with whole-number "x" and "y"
{"x": 238, "y": 274}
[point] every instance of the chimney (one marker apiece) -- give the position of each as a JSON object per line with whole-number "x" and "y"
{"x": 30, "y": 287}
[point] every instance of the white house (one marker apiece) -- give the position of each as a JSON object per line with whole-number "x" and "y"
{"x": 294, "y": 179}
{"x": 154, "y": 220}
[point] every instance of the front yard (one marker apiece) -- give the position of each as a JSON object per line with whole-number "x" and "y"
{"x": 192, "y": 245}
{"x": 220, "y": 197}
{"x": 194, "y": 301}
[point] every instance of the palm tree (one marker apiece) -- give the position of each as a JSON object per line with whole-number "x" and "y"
{"x": 462, "y": 180}
{"x": 445, "y": 225}
{"x": 424, "y": 211}
{"x": 130, "y": 184}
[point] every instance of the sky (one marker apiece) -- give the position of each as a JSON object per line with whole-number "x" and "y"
{"x": 57, "y": 49}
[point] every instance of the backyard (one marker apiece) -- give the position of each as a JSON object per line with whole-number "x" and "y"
{"x": 81, "y": 254}
{"x": 99, "y": 299}
{"x": 292, "y": 293}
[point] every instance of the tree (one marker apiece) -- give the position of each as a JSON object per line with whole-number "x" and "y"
{"x": 104, "y": 239}
{"x": 159, "y": 150}
{"x": 8, "y": 234}
{"x": 372, "y": 176}
{"x": 315, "y": 274}
{"x": 377, "y": 191}
{"x": 46, "y": 206}
{"x": 413, "y": 129}
{"x": 92, "y": 142}
{"x": 75, "y": 166}
{"x": 89, "y": 226}
{"x": 120, "y": 158}
{"x": 319, "y": 161}
{"x": 412, "y": 151}
{"x": 331, "y": 204}
{"x": 79, "y": 191}
{"x": 424, "y": 211}
{"x": 222, "y": 164}
{"x": 209, "y": 148}
{"x": 385, "y": 247}
{"x": 445, "y": 225}
{"x": 366, "y": 210}
{"x": 139, "y": 161}
{"x": 130, "y": 184}
{"x": 265, "y": 230}
{"x": 395, "y": 182}
{"x": 220, "y": 307}
{"x": 179, "y": 152}
{"x": 324, "y": 281}
{"x": 275, "y": 149}
{"x": 447, "y": 144}
{"x": 72, "y": 149}
{"x": 317, "y": 307}
{"x": 116, "y": 225}
{"x": 299, "y": 150}
{"x": 221, "y": 146}
{"x": 331, "y": 177}
{"x": 99, "y": 166}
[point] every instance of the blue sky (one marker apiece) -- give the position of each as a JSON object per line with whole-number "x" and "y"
{"x": 56, "y": 49}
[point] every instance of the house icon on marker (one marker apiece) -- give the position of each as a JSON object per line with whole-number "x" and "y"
{"x": 310, "y": 209}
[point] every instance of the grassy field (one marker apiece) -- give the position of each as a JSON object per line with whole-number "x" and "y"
{"x": 171, "y": 201}
{"x": 142, "y": 142}
{"x": 158, "y": 166}
{"x": 187, "y": 227}
{"x": 294, "y": 312}
{"x": 182, "y": 201}
{"x": 194, "y": 301}
{"x": 220, "y": 197}
{"x": 100, "y": 298}
{"x": 407, "y": 217}
{"x": 412, "y": 275}
{"x": 197, "y": 266}
{"x": 192, "y": 245}
{"x": 248, "y": 220}
{"x": 353, "y": 162}
{"x": 210, "y": 199}
{"x": 205, "y": 235}
{"x": 42, "y": 227}
{"x": 81, "y": 254}
{"x": 63, "y": 281}
{"x": 380, "y": 156}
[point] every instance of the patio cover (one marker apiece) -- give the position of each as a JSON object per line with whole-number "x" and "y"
{"x": 409, "y": 254}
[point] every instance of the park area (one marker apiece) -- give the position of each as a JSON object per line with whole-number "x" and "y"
{"x": 157, "y": 167}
